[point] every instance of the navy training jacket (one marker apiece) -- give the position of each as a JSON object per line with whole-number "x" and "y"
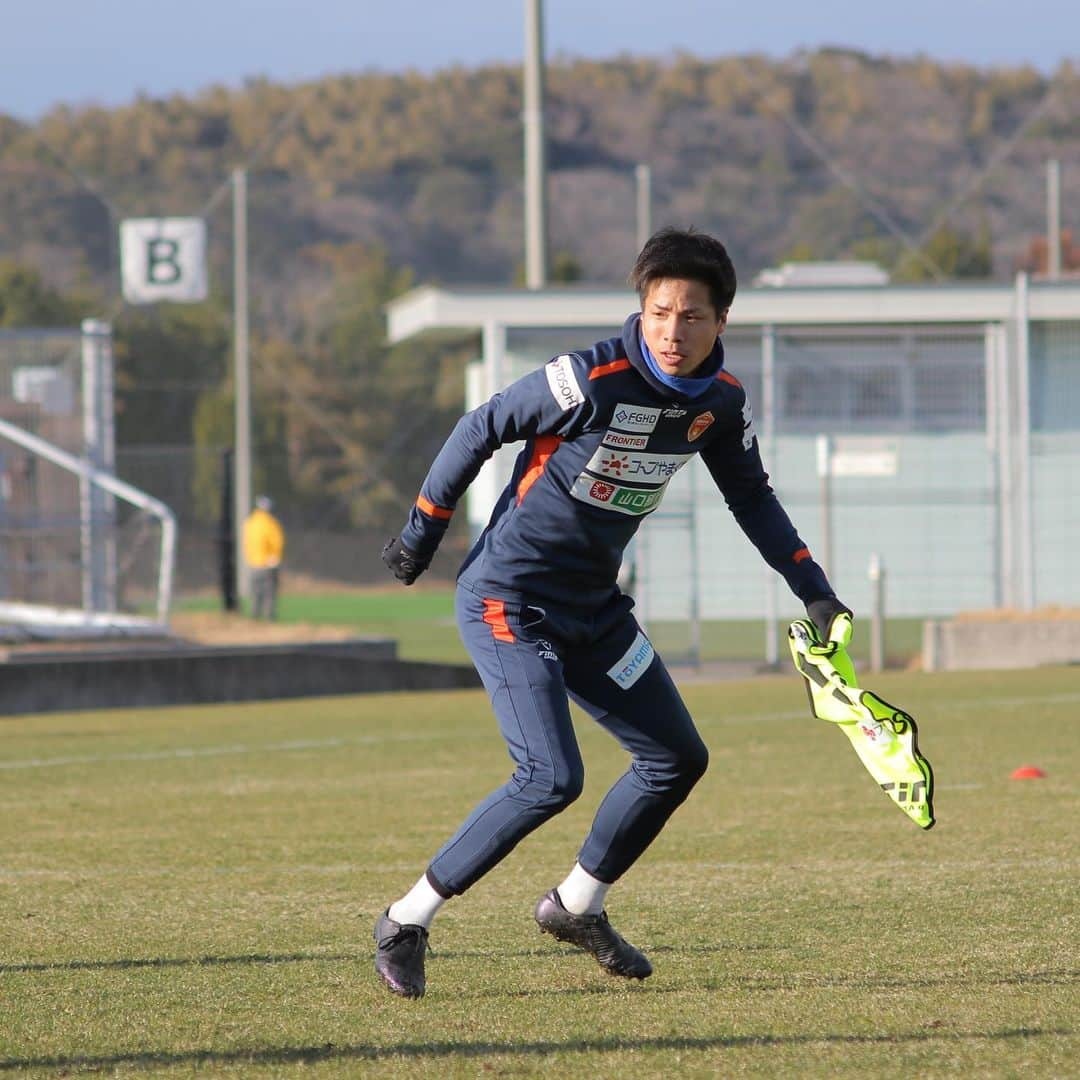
{"x": 603, "y": 436}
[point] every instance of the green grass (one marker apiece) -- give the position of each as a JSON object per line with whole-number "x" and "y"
{"x": 192, "y": 891}
{"x": 421, "y": 620}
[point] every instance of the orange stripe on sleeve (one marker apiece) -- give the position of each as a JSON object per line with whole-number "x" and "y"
{"x": 724, "y": 376}
{"x": 495, "y": 617}
{"x": 800, "y": 555}
{"x": 608, "y": 369}
{"x": 543, "y": 448}
{"x": 432, "y": 510}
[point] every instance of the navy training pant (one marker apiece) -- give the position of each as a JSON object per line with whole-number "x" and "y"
{"x": 531, "y": 660}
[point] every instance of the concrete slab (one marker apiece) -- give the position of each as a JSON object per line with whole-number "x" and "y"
{"x": 53, "y": 681}
{"x": 975, "y": 644}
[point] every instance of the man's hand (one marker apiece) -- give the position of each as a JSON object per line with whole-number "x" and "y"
{"x": 406, "y": 566}
{"x": 823, "y": 611}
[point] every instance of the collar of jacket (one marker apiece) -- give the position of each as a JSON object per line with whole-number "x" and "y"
{"x": 714, "y": 362}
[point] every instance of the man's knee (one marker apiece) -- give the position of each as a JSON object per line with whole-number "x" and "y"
{"x": 565, "y": 789}
{"x": 678, "y": 770}
{"x": 694, "y": 763}
{"x": 554, "y": 792}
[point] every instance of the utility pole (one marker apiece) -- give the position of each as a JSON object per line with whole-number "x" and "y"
{"x": 536, "y": 238}
{"x": 1053, "y": 219}
{"x": 643, "y": 183}
{"x": 242, "y": 378}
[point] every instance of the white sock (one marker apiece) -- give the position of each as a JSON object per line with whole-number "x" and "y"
{"x": 582, "y": 894}
{"x": 418, "y": 906}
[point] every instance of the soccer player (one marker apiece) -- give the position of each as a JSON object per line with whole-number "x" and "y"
{"x": 539, "y": 608}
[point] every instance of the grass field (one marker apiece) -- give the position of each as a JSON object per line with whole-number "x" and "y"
{"x": 192, "y": 891}
{"x": 421, "y": 620}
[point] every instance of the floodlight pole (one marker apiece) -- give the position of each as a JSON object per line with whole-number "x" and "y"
{"x": 242, "y": 380}
{"x": 536, "y": 238}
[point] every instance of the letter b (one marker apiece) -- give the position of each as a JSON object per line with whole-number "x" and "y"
{"x": 162, "y": 262}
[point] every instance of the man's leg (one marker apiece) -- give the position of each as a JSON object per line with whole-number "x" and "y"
{"x": 258, "y": 592}
{"x": 524, "y": 681}
{"x": 273, "y": 578}
{"x": 623, "y": 684}
{"x": 626, "y": 688}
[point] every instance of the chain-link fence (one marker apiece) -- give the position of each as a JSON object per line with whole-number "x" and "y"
{"x": 904, "y": 446}
{"x": 40, "y": 511}
{"x": 900, "y": 450}
{"x": 891, "y": 450}
{"x": 1054, "y": 461}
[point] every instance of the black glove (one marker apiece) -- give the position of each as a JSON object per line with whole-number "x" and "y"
{"x": 823, "y": 611}
{"x": 406, "y": 566}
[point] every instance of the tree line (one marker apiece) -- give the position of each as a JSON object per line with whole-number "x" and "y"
{"x": 363, "y": 184}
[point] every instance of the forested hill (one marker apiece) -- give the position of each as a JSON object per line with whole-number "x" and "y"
{"x": 819, "y": 155}
{"x": 360, "y": 185}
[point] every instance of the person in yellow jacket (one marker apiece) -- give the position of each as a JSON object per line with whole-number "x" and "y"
{"x": 264, "y": 549}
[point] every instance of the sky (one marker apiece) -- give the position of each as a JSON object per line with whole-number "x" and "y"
{"x": 81, "y": 52}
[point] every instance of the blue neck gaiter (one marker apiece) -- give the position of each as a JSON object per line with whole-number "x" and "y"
{"x": 688, "y": 387}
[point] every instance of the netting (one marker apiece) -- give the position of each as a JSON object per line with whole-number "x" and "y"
{"x": 78, "y": 548}
{"x": 932, "y": 474}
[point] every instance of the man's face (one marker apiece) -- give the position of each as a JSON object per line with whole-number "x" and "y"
{"x": 680, "y": 325}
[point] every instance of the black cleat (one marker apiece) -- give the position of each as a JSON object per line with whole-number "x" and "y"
{"x": 594, "y": 934}
{"x": 399, "y": 955}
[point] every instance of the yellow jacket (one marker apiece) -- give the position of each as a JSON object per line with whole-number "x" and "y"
{"x": 264, "y": 540}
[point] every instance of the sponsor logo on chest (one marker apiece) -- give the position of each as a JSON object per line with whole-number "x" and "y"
{"x": 634, "y": 417}
{"x": 623, "y": 500}
{"x": 651, "y": 469}
{"x": 622, "y": 441}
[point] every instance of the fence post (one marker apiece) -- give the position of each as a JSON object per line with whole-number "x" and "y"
{"x": 824, "y": 467}
{"x": 876, "y": 573}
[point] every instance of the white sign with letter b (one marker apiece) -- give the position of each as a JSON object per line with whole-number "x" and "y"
{"x": 163, "y": 259}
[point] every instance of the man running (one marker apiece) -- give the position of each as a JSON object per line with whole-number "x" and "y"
{"x": 539, "y": 608}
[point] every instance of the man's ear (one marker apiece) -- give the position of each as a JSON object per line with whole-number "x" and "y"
{"x": 723, "y": 322}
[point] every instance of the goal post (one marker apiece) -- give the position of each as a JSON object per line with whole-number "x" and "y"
{"x": 81, "y": 551}
{"x": 105, "y": 482}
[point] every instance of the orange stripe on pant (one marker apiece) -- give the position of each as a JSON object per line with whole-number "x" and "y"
{"x": 495, "y": 617}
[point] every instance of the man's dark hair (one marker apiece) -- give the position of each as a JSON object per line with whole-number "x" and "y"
{"x": 689, "y": 256}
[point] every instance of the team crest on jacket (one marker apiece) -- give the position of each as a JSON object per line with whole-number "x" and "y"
{"x": 700, "y": 425}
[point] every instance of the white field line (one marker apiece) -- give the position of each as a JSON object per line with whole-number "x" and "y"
{"x": 658, "y": 870}
{"x": 183, "y": 752}
{"x": 941, "y": 709}
{"x": 293, "y": 746}
{"x": 144, "y": 870}
{"x": 1011, "y": 703}
{"x": 661, "y": 869}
